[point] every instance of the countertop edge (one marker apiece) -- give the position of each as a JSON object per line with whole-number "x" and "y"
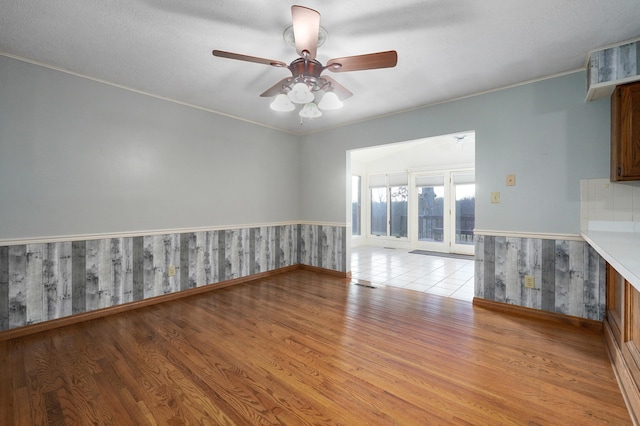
{"x": 620, "y": 249}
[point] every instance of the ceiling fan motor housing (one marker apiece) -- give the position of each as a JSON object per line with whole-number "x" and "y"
{"x": 303, "y": 68}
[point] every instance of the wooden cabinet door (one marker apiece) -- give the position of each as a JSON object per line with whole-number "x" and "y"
{"x": 615, "y": 302}
{"x": 631, "y": 348}
{"x": 625, "y": 132}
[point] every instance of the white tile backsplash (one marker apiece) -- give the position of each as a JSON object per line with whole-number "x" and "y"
{"x": 605, "y": 201}
{"x": 636, "y": 203}
{"x": 622, "y": 202}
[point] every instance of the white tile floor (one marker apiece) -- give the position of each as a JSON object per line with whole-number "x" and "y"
{"x": 443, "y": 276}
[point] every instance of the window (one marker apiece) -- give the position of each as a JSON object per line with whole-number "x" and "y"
{"x": 379, "y": 211}
{"x": 389, "y": 205}
{"x": 398, "y": 211}
{"x": 465, "y": 195}
{"x": 430, "y": 208}
{"x": 356, "y": 205}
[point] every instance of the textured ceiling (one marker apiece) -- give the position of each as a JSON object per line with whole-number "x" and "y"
{"x": 446, "y": 49}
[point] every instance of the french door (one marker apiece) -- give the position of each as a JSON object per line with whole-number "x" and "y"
{"x": 444, "y": 212}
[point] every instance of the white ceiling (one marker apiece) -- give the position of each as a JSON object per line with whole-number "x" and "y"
{"x": 434, "y": 153}
{"x": 446, "y": 49}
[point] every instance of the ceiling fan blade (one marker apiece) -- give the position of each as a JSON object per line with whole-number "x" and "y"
{"x": 306, "y": 25}
{"x": 370, "y": 61}
{"x": 337, "y": 88}
{"x": 239, "y": 57}
{"x": 276, "y": 88}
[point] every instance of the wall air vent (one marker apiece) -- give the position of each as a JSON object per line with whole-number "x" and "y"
{"x": 610, "y": 66}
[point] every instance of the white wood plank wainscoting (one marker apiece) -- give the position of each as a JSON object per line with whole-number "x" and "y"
{"x": 569, "y": 275}
{"x": 43, "y": 280}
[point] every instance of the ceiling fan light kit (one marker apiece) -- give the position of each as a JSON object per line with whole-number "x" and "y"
{"x": 282, "y": 104}
{"x": 300, "y": 94}
{"x": 307, "y": 85}
{"x": 310, "y": 110}
{"x": 330, "y": 102}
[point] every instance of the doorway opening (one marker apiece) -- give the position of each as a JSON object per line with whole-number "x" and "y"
{"x": 417, "y": 195}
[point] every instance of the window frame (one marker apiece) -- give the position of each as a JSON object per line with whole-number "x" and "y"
{"x": 360, "y": 205}
{"x": 388, "y": 181}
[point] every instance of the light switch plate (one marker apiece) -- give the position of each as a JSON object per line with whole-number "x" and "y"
{"x": 495, "y": 197}
{"x": 511, "y": 180}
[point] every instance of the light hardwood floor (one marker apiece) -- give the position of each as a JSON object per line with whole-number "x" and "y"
{"x": 306, "y": 348}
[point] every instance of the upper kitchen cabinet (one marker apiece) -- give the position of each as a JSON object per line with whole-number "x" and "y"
{"x": 625, "y": 132}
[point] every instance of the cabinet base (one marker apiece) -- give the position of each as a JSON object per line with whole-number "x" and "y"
{"x": 628, "y": 387}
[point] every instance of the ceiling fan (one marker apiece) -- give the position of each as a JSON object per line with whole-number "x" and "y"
{"x": 306, "y": 79}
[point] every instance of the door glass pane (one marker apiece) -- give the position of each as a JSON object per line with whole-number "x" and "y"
{"x": 379, "y": 211}
{"x": 431, "y": 213}
{"x": 465, "y": 212}
{"x": 355, "y": 205}
{"x": 399, "y": 196}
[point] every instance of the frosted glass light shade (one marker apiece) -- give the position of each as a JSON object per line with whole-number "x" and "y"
{"x": 300, "y": 94}
{"x": 310, "y": 110}
{"x": 281, "y": 103}
{"x": 330, "y": 102}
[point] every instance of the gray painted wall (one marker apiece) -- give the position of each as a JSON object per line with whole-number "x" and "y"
{"x": 77, "y": 157}
{"x": 82, "y": 157}
{"x": 543, "y": 132}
